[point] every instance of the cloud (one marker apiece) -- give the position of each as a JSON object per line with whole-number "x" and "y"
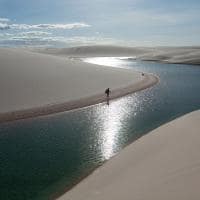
{"x": 45, "y": 39}
{"x": 34, "y": 34}
{"x": 4, "y": 26}
{"x": 43, "y": 26}
{"x": 4, "y": 20}
{"x": 4, "y": 23}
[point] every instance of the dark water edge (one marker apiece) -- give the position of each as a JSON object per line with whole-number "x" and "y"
{"x": 41, "y": 157}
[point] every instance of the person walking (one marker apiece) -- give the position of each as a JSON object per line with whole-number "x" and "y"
{"x": 107, "y": 92}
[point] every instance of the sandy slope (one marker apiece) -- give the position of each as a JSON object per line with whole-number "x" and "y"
{"x": 163, "y": 165}
{"x": 185, "y": 55}
{"x": 87, "y": 51}
{"x": 33, "y": 84}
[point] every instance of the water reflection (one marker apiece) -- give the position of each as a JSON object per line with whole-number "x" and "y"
{"x": 107, "y": 61}
{"x": 110, "y": 122}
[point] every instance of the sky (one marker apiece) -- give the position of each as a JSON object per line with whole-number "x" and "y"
{"x": 66, "y": 23}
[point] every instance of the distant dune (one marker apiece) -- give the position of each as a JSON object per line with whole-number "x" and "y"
{"x": 184, "y": 55}
{"x": 86, "y": 51}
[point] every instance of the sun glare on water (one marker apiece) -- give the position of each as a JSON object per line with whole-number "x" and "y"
{"x": 107, "y": 61}
{"x": 110, "y": 124}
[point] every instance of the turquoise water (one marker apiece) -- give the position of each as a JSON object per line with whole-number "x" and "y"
{"x": 42, "y": 157}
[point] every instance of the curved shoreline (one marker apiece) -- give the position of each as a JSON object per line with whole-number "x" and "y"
{"x": 148, "y": 81}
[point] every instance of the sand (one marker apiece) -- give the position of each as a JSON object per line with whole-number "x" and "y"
{"x": 174, "y": 55}
{"x": 93, "y": 51}
{"x": 34, "y": 84}
{"x": 164, "y": 164}
{"x": 182, "y": 55}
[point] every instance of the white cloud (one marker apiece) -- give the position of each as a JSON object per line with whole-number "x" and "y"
{"x": 4, "y": 26}
{"x": 5, "y": 23}
{"x": 43, "y": 39}
{"x": 49, "y": 26}
{"x": 34, "y": 33}
{"x": 4, "y": 20}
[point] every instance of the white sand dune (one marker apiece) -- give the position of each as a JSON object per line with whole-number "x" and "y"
{"x": 34, "y": 84}
{"x": 90, "y": 51}
{"x": 162, "y": 165}
{"x": 184, "y": 55}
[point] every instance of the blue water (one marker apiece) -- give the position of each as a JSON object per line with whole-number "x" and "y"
{"x": 41, "y": 157}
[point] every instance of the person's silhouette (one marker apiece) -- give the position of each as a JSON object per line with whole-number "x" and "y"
{"x": 107, "y": 92}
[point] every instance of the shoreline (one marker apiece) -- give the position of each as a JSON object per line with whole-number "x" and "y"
{"x": 113, "y": 177}
{"x": 148, "y": 81}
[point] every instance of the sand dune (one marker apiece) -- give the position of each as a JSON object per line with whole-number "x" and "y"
{"x": 164, "y": 164}
{"x": 90, "y": 51}
{"x": 184, "y": 55}
{"x": 34, "y": 84}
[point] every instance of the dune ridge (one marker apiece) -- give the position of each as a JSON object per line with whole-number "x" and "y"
{"x": 178, "y": 55}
